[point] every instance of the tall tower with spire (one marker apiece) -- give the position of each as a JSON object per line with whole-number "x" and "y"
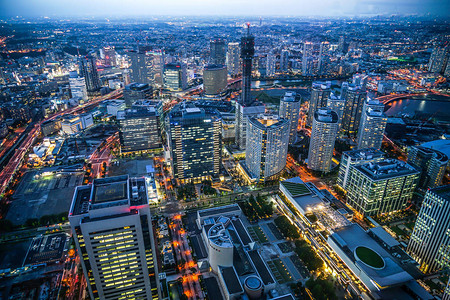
{"x": 247, "y": 52}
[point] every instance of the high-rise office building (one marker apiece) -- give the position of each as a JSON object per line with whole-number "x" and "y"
{"x": 319, "y": 97}
{"x": 439, "y": 58}
{"x": 88, "y": 70}
{"x": 175, "y": 76}
{"x": 247, "y": 52}
{"x": 139, "y": 129}
{"x": 355, "y": 98}
{"x": 78, "y": 86}
{"x": 323, "y": 135}
{"x": 381, "y": 187}
{"x": 324, "y": 58}
{"x": 109, "y": 56}
{"x": 270, "y": 64}
{"x": 242, "y": 115}
{"x": 354, "y": 158}
{"x": 372, "y": 125}
{"x": 112, "y": 228}
{"x": 290, "y": 104}
{"x": 215, "y": 79}
{"x": 284, "y": 60}
{"x": 218, "y": 51}
{"x": 147, "y": 67}
{"x": 233, "y": 64}
{"x": 430, "y": 241}
{"x": 432, "y": 163}
{"x": 308, "y": 61}
{"x": 267, "y": 145}
{"x": 195, "y": 143}
{"x": 136, "y": 91}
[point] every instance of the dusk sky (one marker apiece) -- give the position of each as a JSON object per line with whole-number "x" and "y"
{"x": 29, "y": 8}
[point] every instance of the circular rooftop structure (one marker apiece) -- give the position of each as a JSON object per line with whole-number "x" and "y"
{"x": 369, "y": 257}
{"x": 253, "y": 287}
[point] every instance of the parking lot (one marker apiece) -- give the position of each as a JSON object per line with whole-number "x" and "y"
{"x": 42, "y": 193}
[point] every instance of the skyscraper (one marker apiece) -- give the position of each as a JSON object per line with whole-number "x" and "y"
{"x": 337, "y": 104}
{"x": 372, "y": 125}
{"x": 218, "y": 50}
{"x": 112, "y": 228}
{"x": 136, "y": 91}
{"x": 214, "y": 79}
{"x": 319, "y": 96}
{"x": 354, "y": 102}
{"x": 324, "y": 58}
{"x": 88, "y": 70}
{"x": 270, "y": 64}
{"x": 247, "y": 52}
{"x": 175, "y": 76}
{"x": 78, "y": 86}
{"x": 195, "y": 143}
{"x": 147, "y": 67}
{"x": 109, "y": 56}
{"x": 439, "y": 58}
{"x": 343, "y": 45}
{"x": 381, "y": 187}
{"x": 246, "y": 106}
{"x": 284, "y": 60}
{"x": 267, "y": 145}
{"x": 139, "y": 130}
{"x": 430, "y": 240}
{"x": 242, "y": 115}
{"x": 290, "y": 110}
{"x": 233, "y": 65}
{"x": 323, "y": 135}
{"x": 308, "y": 61}
{"x": 432, "y": 163}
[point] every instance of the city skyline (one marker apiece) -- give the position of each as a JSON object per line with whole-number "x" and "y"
{"x": 328, "y": 8}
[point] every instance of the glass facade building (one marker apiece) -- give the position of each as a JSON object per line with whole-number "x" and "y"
{"x": 372, "y": 125}
{"x": 355, "y": 97}
{"x": 433, "y": 164}
{"x": 195, "y": 143}
{"x": 290, "y": 104}
{"x": 430, "y": 241}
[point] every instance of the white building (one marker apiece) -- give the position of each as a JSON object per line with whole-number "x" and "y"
{"x": 219, "y": 245}
{"x": 290, "y": 110}
{"x": 270, "y": 64}
{"x": 114, "y": 106}
{"x": 112, "y": 228}
{"x": 78, "y": 88}
{"x": 323, "y": 135}
{"x": 233, "y": 54}
{"x": 267, "y": 145}
{"x": 242, "y": 115}
{"x": 372, "y": 125}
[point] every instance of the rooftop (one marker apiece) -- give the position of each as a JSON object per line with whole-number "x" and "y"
{"x": 261, "y": 267}
{"x": 386, "y": 168}
{"x": 221, "y": 210}
{"x": 364, "y": 154}
{"x": 352, "y": 237}
{"x": 442, "y": 191}
{"x": 326, "y": 115}
{"x": 231, "y": 280}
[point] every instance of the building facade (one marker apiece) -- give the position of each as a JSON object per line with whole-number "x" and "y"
{"x": 137, "y": 91}
{"x": 195, "y": 143}
{"x": 88, "y": 70}
{"x": 323, "y": 135}
{"x": 372, "y": 125}
{"x": 430, "y": 240}
{"x": 233, "y": 64}
{"x": 175, "y": 77}
{"x": 78, "y": 86}
{"x": 247, "y": 53}
{"x": 267, "y": 145}
{"x": 382, "y": 187}
{"x": 431, "y": 162}
{"x": 242, "y": 115}
{"x": 112, "y": 228}
{"x": 139, "y": 130}
{"x": 319, "y": 96}
{"x": 290, "y": 104}
{"x": 218, "y": 52}
{"x": 355, "y": 97}
{"x": 215, "y": 79}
